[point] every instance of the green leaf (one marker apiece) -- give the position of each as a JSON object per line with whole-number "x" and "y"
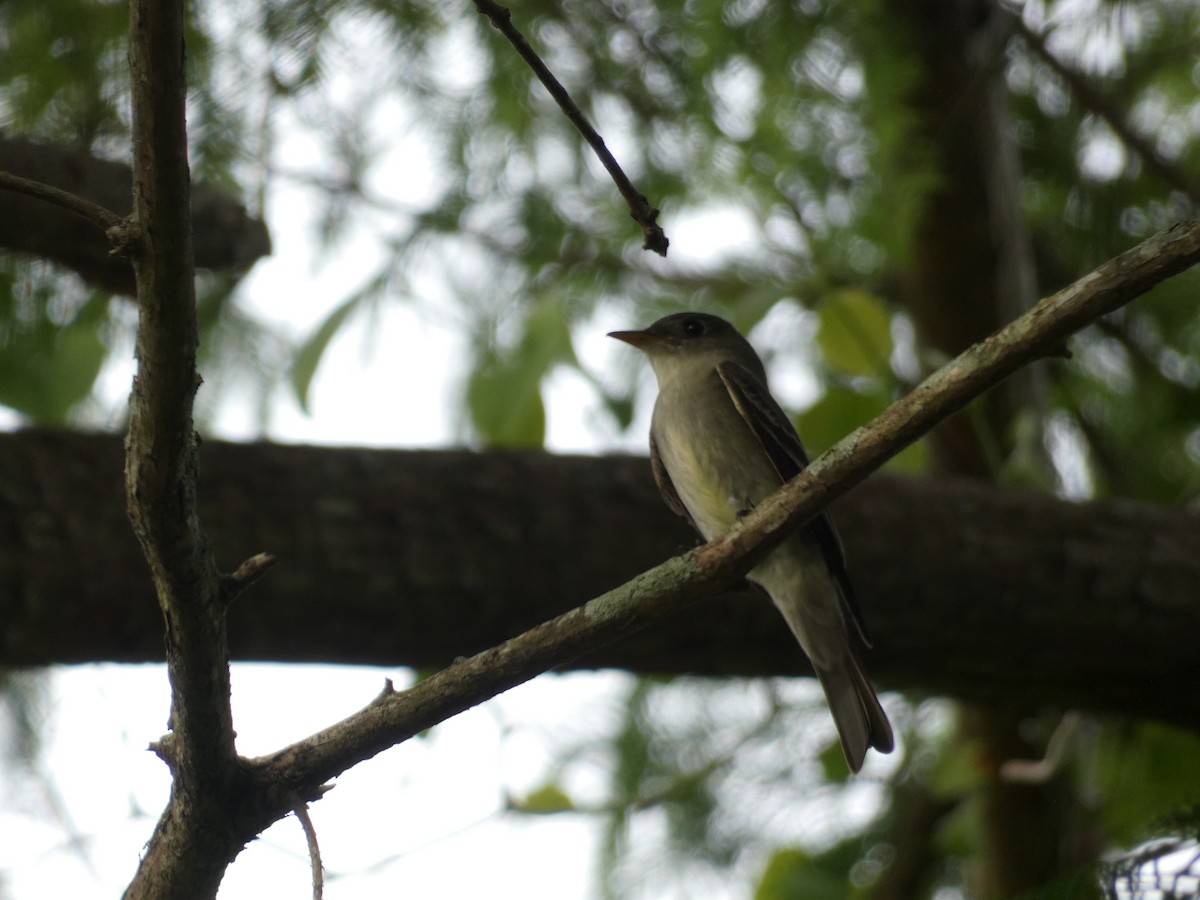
{"x": 48, "y": 369}
{"x": 548, "y": 799}
{"x": 504, "y": 392}
{"x": 842, "y": 409}
{"x": 792, "y": 874}
{"x": 956, "y": 772}
{"x": 833, "y": 763}
{"x": 621, "y": 408}
{"x": 1148, "y": 774}
{"x": 547, "y": 339}
{"x": 855, "y": 334}
{"x": 505, "y": 401}
{"x": 308, "y": 357}
{"x": 959, "y": 834}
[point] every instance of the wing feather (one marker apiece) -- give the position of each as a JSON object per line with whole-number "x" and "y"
{"x": 666, "y": 487}
{"x": 778, "y": 437}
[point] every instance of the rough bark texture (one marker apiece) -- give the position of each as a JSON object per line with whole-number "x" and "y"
{"x": 226, "y": 238}
{"x": 416, "y": 558}
{"x": 197, "y": 836}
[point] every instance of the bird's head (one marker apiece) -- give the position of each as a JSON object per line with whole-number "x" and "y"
{"x": 681, "y": 341}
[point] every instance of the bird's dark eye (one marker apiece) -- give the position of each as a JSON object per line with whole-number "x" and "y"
{"x": 693, "y": 327}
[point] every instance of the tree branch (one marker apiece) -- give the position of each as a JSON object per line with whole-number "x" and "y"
{"x": 92, "y": 212}
{"x": 1038, "y": 334}
{"x": 639, "y": 207}
{"x": 409, "y": 542}
{"x": 192, "y": 844}
{"x": 664, "y": 590}
{"x": 226, "y": 238}
{"x": 314, "y": 850}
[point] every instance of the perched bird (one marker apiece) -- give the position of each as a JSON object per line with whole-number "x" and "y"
{"x": 720, "y": 444}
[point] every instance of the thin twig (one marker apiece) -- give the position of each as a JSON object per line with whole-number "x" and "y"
{"x": 1040, "y": 771}
{"x": 639, "y": 207}
{"x": 314, "y": 851}
{"x": 1091, "y": 98}
{"x": 104, "y": 219}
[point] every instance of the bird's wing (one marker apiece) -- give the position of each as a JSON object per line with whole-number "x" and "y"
{"x": 665, "y": 486}
{"x": 778, "y": 437}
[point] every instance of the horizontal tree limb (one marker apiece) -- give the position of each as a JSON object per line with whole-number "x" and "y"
{"x": 416, "y": 558}
{"x": 226, "y": 237}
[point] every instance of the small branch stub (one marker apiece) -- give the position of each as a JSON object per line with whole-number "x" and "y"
{"x": 246, "y": 574}
{"x": 123, "y": 237}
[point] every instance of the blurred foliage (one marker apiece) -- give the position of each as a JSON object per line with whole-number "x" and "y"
{"x": 791, "y": 118}
{"x": 504, "y": 391}
{"x": 794, "y": 113}
{"x": 53, "y": 343}
{"x": 796, "y": 873}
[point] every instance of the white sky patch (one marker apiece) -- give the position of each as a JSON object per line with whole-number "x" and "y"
{"x": 1068, "y": 452}
{"x": 737, "y": 94}
{"x": 1101, "y": 155}
{"x": 787, "y": 337}
{"x": 704, "y": 239}
{"x": 400, "y": 824}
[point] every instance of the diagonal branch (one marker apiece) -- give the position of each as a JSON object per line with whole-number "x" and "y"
{"x": 1093, "y": 100}
{"x": 114, "y": 227}
{"x": 1041, "y": 332}
{"x": 639, "y": 207}
{"x": 226, "y": 238}
{"x": 667, "y": 588}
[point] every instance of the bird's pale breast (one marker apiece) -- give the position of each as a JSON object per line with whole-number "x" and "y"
{"x": 717, "y": 465}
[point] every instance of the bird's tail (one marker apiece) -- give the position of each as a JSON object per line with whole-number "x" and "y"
{"x": 803, "y": 589}
{"x": 861, "y": 721}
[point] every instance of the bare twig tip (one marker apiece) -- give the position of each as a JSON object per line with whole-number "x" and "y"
{"x": 656, "y": 241}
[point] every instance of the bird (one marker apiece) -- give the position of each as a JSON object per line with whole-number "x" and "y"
{"x": 719, "y": 445}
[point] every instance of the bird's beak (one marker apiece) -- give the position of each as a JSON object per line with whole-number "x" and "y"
{"x": 639, "y": 339}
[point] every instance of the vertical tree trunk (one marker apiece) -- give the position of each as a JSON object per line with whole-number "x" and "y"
{"x": 972, "y": 269}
